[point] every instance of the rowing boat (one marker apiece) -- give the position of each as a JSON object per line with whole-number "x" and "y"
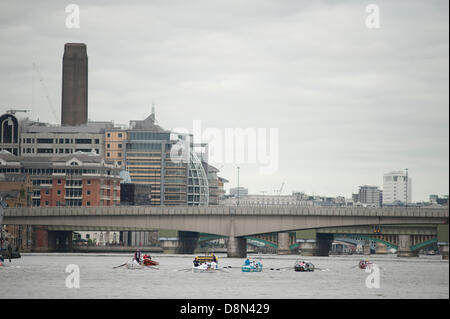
{"x": 304, "y": 266}
{"x": 252, "y": 267}
{"x": 206, "y": 267}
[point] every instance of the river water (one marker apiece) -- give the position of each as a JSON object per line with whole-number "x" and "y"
{"x": 44, "y": 276}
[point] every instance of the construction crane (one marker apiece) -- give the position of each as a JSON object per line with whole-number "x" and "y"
{"x": 41, "y": 79}
{"x": 281, "y": 189}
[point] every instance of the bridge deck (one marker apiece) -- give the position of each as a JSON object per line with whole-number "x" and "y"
{"x": 226, "y": 211}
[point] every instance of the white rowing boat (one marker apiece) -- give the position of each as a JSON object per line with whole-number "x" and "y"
{"x": 206, "y": 267}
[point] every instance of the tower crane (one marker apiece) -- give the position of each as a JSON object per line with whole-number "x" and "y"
{"x": 41, "y": 79}
{"x": 281, "y": 189}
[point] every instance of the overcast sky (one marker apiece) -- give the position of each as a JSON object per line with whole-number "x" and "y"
{"x": 350, "y": 102}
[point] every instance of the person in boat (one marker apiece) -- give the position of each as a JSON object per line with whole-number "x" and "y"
{"x": 247, "y": 262}
{"x": 196, "y": 262}
{"x": 214, "y": 258}
{"x": 137, "y": 256}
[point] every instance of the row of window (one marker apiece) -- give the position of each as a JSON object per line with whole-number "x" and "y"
{"x": 146, "y": 136}
{"x": 143, "y": 163}
{"x": 109, "y": 145}
{"x": 60, "y": 141}
{"x": 144, "y": 154}
{"x": 144, "y": 171}
{"x": 59, "y": 150}
{"x": 119, "y": 135}
{"x": 144, "y": 146}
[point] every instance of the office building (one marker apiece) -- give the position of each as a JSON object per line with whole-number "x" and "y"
{"x": 79, "y": 179}
{"x": 370, "y": 196}
{"x": 396, "y": 188}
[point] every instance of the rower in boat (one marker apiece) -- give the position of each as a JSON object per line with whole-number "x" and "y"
{"x": 303, "y": 266}
{"x": 363, "y": 264}
{"x": 252, "y": 266}
{"x": 205, "y": 263}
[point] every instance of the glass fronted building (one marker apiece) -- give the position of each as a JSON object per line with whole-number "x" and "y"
{"x": 148, "y": 161}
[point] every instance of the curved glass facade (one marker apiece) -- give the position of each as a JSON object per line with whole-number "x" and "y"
{"x": 198, "y": 188}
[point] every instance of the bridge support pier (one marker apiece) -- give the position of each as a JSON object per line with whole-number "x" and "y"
{"x": 366, "y": 248}
{"x": 237, "y": 247}
{"x": 187, "y": 242}
{"x": 404, "y": 246}
{"x": 307, "y": 248}
{"x": 380, "y": 249}
{"x": 443, "y": 250}
{"x": 60, "y": 241}
{"x": 40, "y": 239}
{"x": 283, "y": 244}
{"x": 323, "y": 244}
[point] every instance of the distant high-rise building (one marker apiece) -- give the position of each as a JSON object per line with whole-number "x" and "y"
{"x": 74, "y": 102}
{"x": 396, "y": 188}
{"x": 370, "y": 195}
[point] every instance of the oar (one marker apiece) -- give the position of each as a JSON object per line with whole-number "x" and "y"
{"x": 281, "y": 268}
{"x": 223, "y": 270}
{"x": 119, "y": 266}
{"x": 182, "y": 269}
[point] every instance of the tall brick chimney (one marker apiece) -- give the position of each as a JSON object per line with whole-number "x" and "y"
{"x": 74, "y": 102}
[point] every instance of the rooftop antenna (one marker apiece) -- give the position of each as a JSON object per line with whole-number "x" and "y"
{"x": 153, "y": 115}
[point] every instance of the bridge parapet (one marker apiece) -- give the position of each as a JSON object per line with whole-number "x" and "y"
{"x": 227, "y": 211}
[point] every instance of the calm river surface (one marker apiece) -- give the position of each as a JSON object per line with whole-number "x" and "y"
{"x": 44, "y": 276}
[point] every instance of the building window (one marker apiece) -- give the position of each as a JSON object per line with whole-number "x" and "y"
{"x": 107, "y": 154}
{"x": 119, "y": 135}
{"x": 58, "y": 192}
{"x": 88, "y": 193}
{"x": 88, "y": 203}
{"x": 59, "y": 182}
{"x": 88, "y": 182}
{"x": 108, "y": 146}
{"x": 46, "y": 203}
